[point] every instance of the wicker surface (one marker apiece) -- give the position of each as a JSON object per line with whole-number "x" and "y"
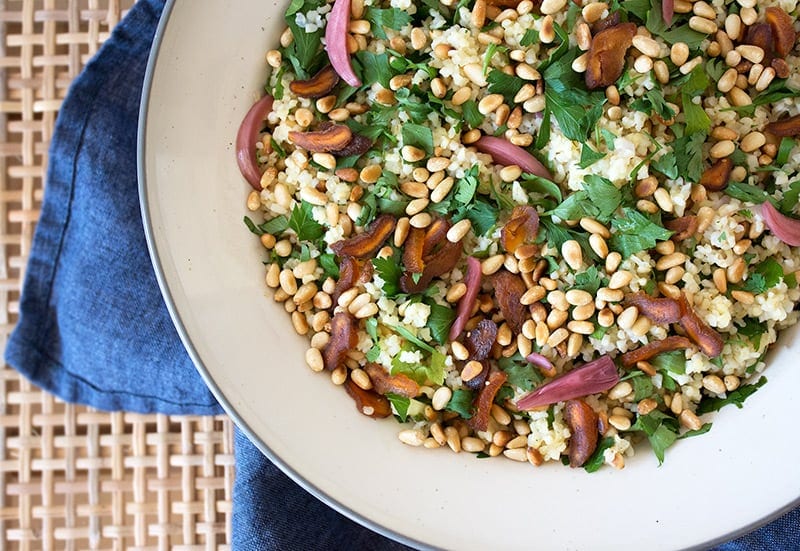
{"x": 72, "y": 477}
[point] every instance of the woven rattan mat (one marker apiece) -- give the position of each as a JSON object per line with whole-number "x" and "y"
{"x": 72, "y": 477}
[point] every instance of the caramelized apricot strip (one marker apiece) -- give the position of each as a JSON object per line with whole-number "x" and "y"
{"x": 317, "y": 86}
{"x": 358, "y": 145}
{"x": 709, "y": 341}
{"x": 612, "y": 20}
{"x": 521, "y": 228}
{"x": 366, "y": 244}
{"x": 435, "y": 234}
{"x": 366, "y": 269}
{"x": 368, "y": 402}
{"x": 684, "y": 227}
{"x": 412, "y": 251}
{"x": 657, "y": 310}
{"x": 785, "y": 128}
{"x": 715, "y": 178}
{"x": 331, "y": 137}
{"x": 606, "y": 56}
{"x": 782, "y": 28}
{"x": 344, "y": 337}
{"x": 582, "y": 422}
{"x": 483, "y": 403}
{"x": 509, "y": 288}
{"x": 382, "y": 382}
{"x": 441, "y": 262}
{"x": 348, "y": 275}
{"x": 643, "y": 353}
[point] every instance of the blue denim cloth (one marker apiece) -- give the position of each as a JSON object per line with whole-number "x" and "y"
{"x": 93, "y": 327}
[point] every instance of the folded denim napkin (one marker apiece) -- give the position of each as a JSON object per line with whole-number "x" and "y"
{"x": 93, "y": 327}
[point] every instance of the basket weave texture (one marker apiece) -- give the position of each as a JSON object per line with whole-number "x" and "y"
{"x": 72, "y": 477}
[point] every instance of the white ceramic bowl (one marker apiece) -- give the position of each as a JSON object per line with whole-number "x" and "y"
{"x": 207, "y": 69}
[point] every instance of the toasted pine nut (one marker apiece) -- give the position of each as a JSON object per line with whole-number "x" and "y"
{"x": 628, "y": 317}
{"x": 594, "y": 11}
{"x": 754, "y": 54}
{"x": 471, "y": 370}
{"x": 421, "y": 220}
{"x": 593, "y": 226}
{"x": 547, "y": 32}
{"x": 557, "y": 337}
{"x": 690, "y": 420}
{"x": 534, "y": 294}
{"x": 571, "y": 251}
{"x": 612, "y": 262}
{"x": 620, "y": 391}
{"x": 492, "y": 264}
{"x": 702, "y": 25}
{"x": 578, "y": 297}
{"x": 314, "y": 359}
{"x": 679, "y": 53}
{"x": 722, "y": 149}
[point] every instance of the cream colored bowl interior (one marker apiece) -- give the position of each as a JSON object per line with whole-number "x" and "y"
{"x": 209, "y": 69}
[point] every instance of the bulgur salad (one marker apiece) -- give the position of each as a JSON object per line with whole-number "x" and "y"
{"x": 541, "y": 229}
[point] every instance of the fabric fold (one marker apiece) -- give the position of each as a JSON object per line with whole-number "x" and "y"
{"x": 91, "y": 327}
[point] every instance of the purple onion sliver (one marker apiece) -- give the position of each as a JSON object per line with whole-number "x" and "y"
{"x": 667, "y": 11}
{"x": 506, "y": 153}
{"x": 596, "y": 376}
{"x": 336, "y": 42}
{"x": 784, "y": 228}
{"x": 473, "y": 282}
{"x": 246, "y": 141}
{"x": 540, "y": 361}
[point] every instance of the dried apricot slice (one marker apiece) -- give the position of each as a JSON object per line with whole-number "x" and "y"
{"x": 582, "y": 422}
{"x": 399, "y": 384}
{"x": 782, "y": 27}
{"x": 368, "y": 402}
{"x": 343, "y": 339}
{"x": 785, "y": 127}
{"x": 509, "y": 288}
{"x": 483, "y": 403}
{"x": 606, "y": 56}
{"x": 715, "y": 178}
{"x": 366, "y": 244}
{"x": 709, "y": 341}
{"x": 331, "y": 137}
{"x": 684, "y": 227}
{"x": 522, "y": 227}
{"x": 651, "y": 349}
{"x": 317, "y": 86}
{"x": 657, "y": 310}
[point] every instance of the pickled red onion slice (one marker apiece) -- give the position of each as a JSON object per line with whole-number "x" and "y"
{"x": 784, "y": 228}
{"x": 336, "y": 42}
{"x": 246, "y": 140}
{"x": 473, "y": 282}
{"x": 596, "y": 376}
{"x": 506, "y": 153}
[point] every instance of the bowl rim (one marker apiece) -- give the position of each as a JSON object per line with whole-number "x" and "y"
{"x": 175, "y": 316}
{"x": 208, "y": 378}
